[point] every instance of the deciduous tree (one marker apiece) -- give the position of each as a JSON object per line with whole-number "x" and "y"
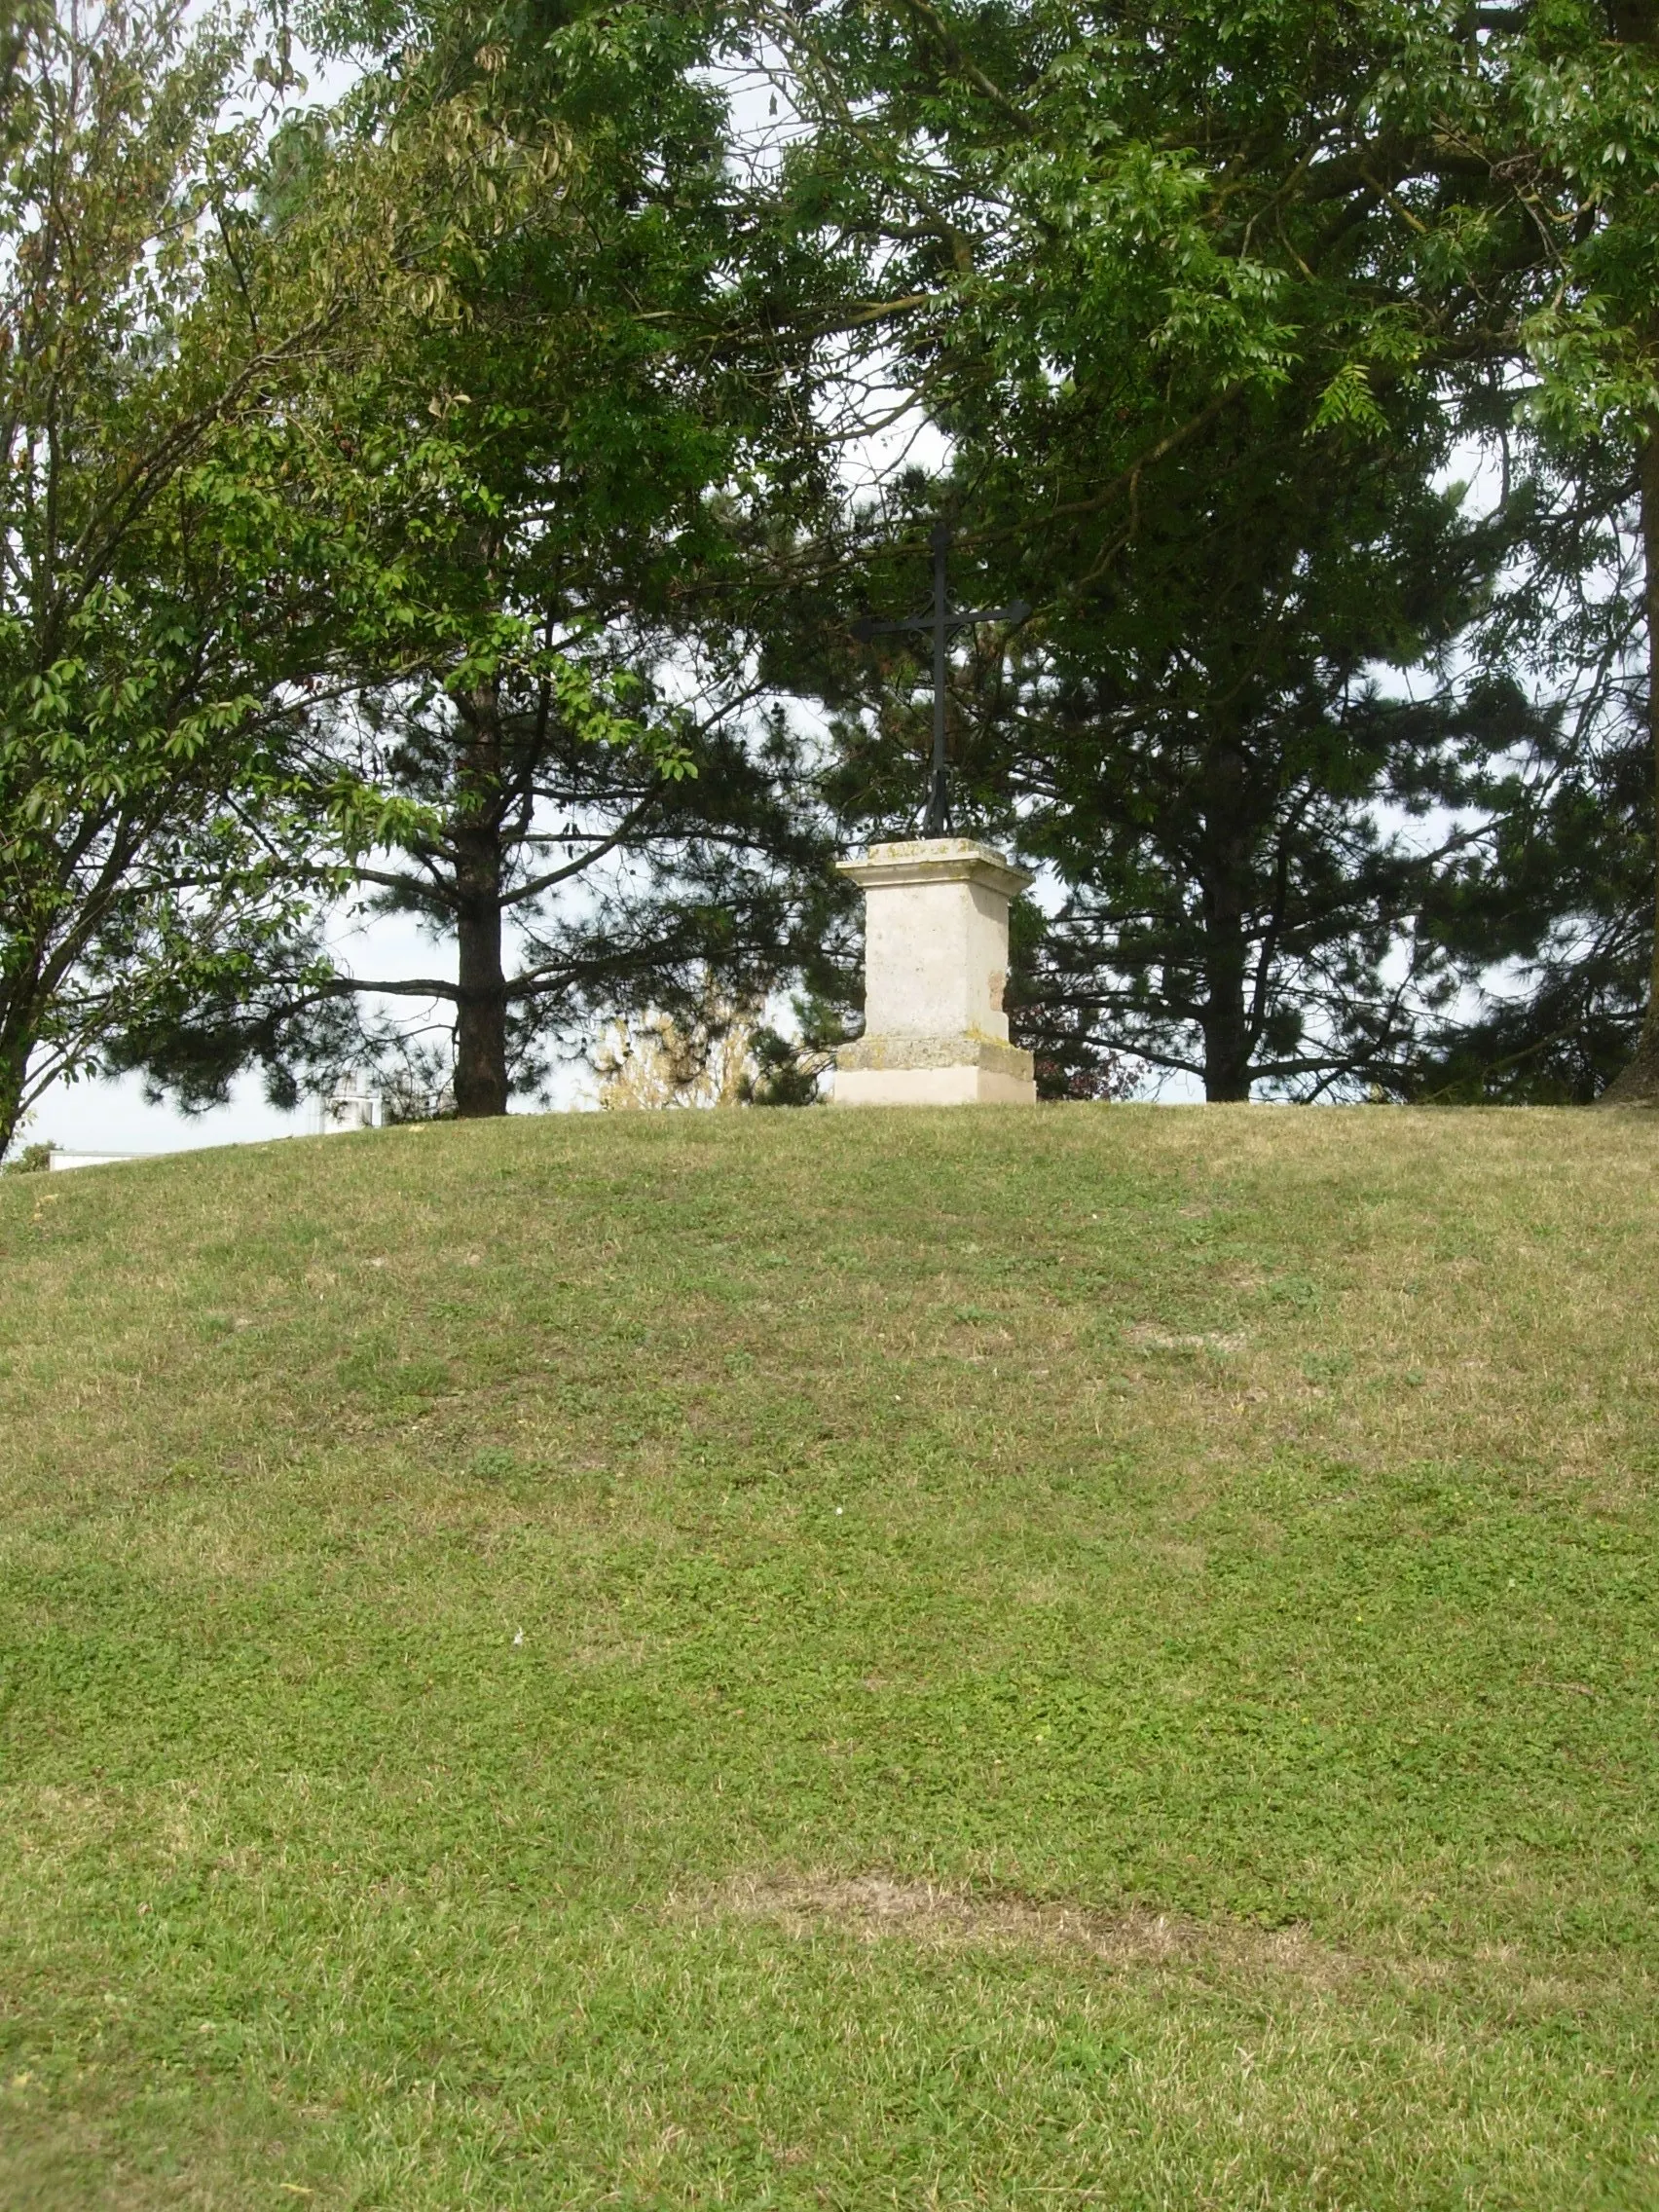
{"x": 147, "y": 846}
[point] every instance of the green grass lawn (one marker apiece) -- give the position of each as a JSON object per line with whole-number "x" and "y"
{"x": 1092, "y": 1656}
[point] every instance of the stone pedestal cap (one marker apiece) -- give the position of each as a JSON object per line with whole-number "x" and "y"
{"x": 936, "y": 860}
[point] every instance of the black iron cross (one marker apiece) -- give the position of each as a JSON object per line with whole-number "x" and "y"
{"x": 941, "y": 623}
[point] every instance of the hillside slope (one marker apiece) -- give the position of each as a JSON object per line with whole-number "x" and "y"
{"x": 1085, "y": 1656}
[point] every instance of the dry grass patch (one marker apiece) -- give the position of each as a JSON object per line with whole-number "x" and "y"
{"x": 1147, "y": 1337}
{"x": 873, "y": 1907}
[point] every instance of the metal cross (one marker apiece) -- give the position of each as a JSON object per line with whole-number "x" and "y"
{"x": 941, "y": 623}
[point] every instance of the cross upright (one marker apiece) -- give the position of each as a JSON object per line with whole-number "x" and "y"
{"x": 942, "y": 621}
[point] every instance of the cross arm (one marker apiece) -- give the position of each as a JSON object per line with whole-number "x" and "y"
{"x": 960, "y": 618}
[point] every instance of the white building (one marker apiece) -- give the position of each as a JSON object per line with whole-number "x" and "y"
{"x": 350, "y": 1105}
{"x": 63, "y": 1158}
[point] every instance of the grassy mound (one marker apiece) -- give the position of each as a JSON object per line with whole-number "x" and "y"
{"x": 1093, "y": 1656}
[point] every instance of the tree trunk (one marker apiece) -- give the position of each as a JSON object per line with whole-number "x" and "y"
{"x": 1635, "y": 22}
{"x": 22, "y": 1007}
{"x": 1639, "y": 1084}
{"x": 475, "y": 836}
{"x": 481, "y": 1013}
{"x": 14, "y": 1071}
{"x": 1226, "y": 1022}
{"x": 1227, "y": 1041}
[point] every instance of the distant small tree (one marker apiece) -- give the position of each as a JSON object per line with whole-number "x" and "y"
{"x": 652, "y": 1060}
{"x": 33, "y": 1160}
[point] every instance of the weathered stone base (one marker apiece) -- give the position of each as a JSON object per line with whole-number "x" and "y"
{"x": 932, "y": 1086}
{"x": 933, "y": 1071}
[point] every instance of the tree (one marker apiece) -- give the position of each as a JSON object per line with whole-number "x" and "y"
{"x": 682, "y": 875}
{"x": 1549, "y": 916}
{"x": 146, "y": 848}
{"x": 1565, "y": 111}
{"x": 1233, "y": 797}
{"x": 565, "y": 470}
{"x": 1174, "y": 325}
{"x": 176, "y": 608}
{"x": 653, "y": 1061}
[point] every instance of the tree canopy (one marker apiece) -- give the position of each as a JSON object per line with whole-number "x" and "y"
{"x": 1139, "y": 263}
{"x": 455, "y": 494}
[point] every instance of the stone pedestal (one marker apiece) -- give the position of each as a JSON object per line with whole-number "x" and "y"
{"x": 936, "y": 959}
